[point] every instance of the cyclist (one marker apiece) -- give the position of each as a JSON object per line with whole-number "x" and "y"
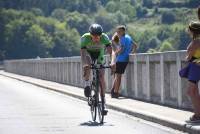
{"x": 93, "y": 46}
{"x": 125, "y": 47}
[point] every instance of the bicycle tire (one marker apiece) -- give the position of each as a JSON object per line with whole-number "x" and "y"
{"x": 100, "y": 111}
{"x": 93, "y": 107}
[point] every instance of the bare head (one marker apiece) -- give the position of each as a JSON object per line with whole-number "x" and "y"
{"x": 121, "y": 30}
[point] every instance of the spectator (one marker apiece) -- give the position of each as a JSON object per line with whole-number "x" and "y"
{"x": 125, "y": 47}
{"x": 192, "y": 70}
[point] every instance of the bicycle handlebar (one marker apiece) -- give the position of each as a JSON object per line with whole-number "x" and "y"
{"x": 99, "y": 66}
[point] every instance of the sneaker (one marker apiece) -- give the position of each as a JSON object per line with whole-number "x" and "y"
{"x": 87, "y": 91}
{"x": 115, "y": 95}
{"x": 105, "y": 112}
{"x": 112, "y": 92}
{"x": 194, "y": 119}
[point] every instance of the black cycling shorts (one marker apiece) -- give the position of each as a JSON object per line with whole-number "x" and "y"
{"x": 120, "y": 67}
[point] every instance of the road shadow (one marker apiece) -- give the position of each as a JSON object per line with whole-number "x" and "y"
{"x": 94, "y": 124}
{"x": 122, "y": 98}
{"x": 192, "y": 124}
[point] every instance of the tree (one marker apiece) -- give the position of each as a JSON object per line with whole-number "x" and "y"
{"x": 37, "y": 11}
{"x": 164, "y": 32}
{"x": 66, "y": 43}
{"x": 59, "y": 14}
{"x": 120, "y": 17}
{"x": 79, "y": 21}
{"x": 193, "y": 3}
{"x": 153, "y": 42}
{"x": 15, "y": 35}
{"x": 183, "y": 40}
{"x": 38, "y": 42}
{"x": 166, "y": 46}
{"x": 141, "y": 12}
{"x": 168, "y": 18}
{"x": 106, "y": 20}
{"x": 127, "y": 9}
{"x": 111, "y": 6}
{"x": 147, "y": 3}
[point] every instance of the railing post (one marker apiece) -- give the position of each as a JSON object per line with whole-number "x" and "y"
{"x": 178, "y": 65}
{"x": 135, "y": 76}
{"x": 162, "y": 78}
{"x": 148, "y": 77}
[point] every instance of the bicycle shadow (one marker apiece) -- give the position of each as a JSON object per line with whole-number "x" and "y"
{"x": 94, "y": 124}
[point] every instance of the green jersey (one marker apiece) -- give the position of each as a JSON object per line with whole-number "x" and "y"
{"x": 96, "y": 49}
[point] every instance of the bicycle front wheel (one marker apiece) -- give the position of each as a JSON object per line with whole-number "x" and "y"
{"x": 100, "y": 110}
{"x": 93, "y": 105}
{"x": 93, "y": 110}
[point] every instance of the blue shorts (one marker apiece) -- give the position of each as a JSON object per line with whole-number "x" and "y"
{"x": 191, "y": 72}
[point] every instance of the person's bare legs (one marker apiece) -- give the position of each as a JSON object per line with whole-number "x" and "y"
{"x": 117, "y": 83}
{"x": 193, "y": 93}
{"x": 86, "y": 72}
{"x": 114, "y": 81}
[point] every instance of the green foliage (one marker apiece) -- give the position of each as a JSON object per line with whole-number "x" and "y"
{"x": 15, "y": 38}
{"x": 38, "y": 41}
{"x": 37, "y": 11}
{"x": 66, "y": 43}
{"x": 141, "y": 12}
{"x": 122, "y": 6}
{"x": 168, "y": 18}
{"x": 120, "y": 17}
{"x": 166, "y": 46}
{"x": 79, "y": 21}
{"x": 52, "y": 28}
{"x": 106, "y": 20}
{"x": 28, "y": 36}
{"x": 147, "y": 3}
{"x": 59, "y": 14}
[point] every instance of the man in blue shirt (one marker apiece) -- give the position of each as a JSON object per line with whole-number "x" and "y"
{"x": 127, "y": 46}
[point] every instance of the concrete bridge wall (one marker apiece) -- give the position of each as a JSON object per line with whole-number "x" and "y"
{"x": 149, "y": 77}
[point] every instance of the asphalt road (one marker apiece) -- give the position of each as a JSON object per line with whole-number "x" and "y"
{"x": 28, "y": 109}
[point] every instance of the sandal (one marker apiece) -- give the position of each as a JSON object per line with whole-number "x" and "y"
{"x": 194, "y": 119}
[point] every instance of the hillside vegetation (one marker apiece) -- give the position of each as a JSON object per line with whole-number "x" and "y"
{"x": 52, "y": 28}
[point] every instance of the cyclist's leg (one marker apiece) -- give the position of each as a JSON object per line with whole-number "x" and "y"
{"x": 103, "y": 87}
{"x": 101, "y": 75}
{"x": 102, "y": 82}
{"x": 86, "y": 62}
